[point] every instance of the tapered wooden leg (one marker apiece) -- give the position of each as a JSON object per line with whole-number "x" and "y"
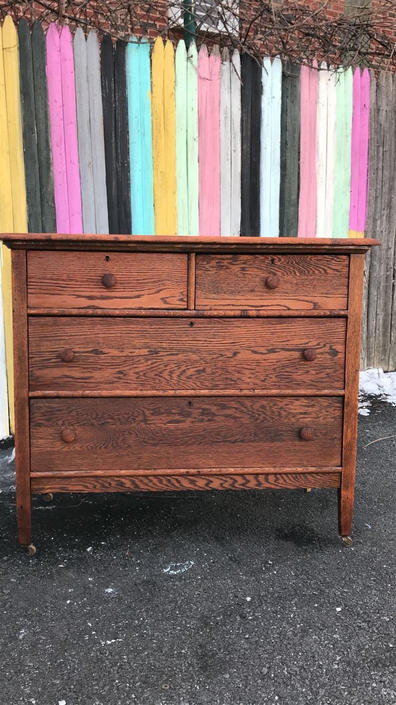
{"x": 24, "y": 511}
{"x": 345, "y": 508}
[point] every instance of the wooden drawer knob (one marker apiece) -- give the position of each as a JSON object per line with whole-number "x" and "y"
{"x": 68, "y": 435}
{"x": 109, "y": 280}
{"x": 307, "y": 434}
{"x": 272, "y": 281}
{"x": 310, "y": 354}
{"x": 67, "y": 355}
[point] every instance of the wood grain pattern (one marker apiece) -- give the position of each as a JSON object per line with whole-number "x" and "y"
{"x": 128, "y": 243}
{"x": 209, "y": 74}
{"x": 187, "y": 482}
{"x": 142, "y": 281}
{"x": 307, "y": 200}
{"x": 290, "y": 151}
{"x": 48, "y": 217}
{"x": 164, "y": 137}
{"x": 181, "y": 354}
{"x": 22, "y": 446}
{"x": 250, "y": 145}
{"x": 236, "y": 280}
{"x": 342, "y": 169}
{"x": 172, "y": 433}
{"x": 347, "y": 491}
{"x": 140, "y": 136}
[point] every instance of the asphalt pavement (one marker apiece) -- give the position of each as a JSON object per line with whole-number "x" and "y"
{"x": 221, "y": 598}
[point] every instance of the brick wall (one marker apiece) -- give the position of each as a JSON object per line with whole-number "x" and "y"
{"x": 149, "y": 18}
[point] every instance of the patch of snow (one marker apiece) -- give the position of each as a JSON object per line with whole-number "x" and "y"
{"x": 376, "y": 383}
{"x": 178, "y": 568}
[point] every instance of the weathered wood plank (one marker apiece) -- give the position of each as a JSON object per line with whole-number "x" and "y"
{"x": 359, "y": 153}
{"x": 192, "y": 140}
{"x": 108, "y": 103}
{"x": 392, "y": 224}
{"x": 140, "y": 136}
{"x": 270, "y": 147}
{"x": 230, "y": 143}
{"x": 307, "y": 199}
{"x": 225, "y": 143}
{"x": 290, "y": 151}
{"x": 29, "y": 128}
{"x": 70, "y": 131}
{"x": 84, "y": 132}
{"x": 209, "y": 71}
{"x": 342, "y": 174}
{"x": 44, "y": 154}
{"x": 325, "y": 158}
{"x": 250, "y": 145}
{"x": 122, "y": 172}
{"x": 18, "y": 186}
{"x": 97, "y": 141}
{"x": 55, "y": 104}
{"x": 164, "y": 137}
{"x": 181, "y": 138}
{"x": 6, "y": 225}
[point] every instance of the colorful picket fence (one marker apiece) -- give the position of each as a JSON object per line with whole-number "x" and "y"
{"x": 143, "y": 138}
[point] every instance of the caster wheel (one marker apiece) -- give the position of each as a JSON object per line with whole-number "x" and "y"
{"x": 346, "y": 541}
{"x": 31, "y": 550}
{"x": 48, "y": 497}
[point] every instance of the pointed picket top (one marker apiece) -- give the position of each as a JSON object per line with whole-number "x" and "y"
{"x": 225, "y": 55}
{"x": 158, "y": 49}
{"x": 181, "y": 50}
{"x": 10, "y": 36}
{"x": 37, "y": 31}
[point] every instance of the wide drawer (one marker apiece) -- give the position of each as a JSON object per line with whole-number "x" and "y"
{"x": 185, "y": 433}
{"x": 156, "y": 354}
{"x": 278, "y": 282}
{"x": 114, "y": 280}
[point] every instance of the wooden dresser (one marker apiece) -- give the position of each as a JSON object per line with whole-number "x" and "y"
{"x": 170, "y": 363}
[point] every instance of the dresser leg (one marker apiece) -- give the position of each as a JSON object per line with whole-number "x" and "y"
{"x": 24, "y": 520}
{"x": 345, "y": 512}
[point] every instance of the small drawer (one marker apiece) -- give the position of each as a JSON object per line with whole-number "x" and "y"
{"x": 165, "y": 354}
{"x": 272, "y": 282}
{"x": 107, "y": 281}
{"x": 178, "y": 433}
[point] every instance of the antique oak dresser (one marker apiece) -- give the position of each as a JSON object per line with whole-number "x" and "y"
{"x": 185, "y": 363}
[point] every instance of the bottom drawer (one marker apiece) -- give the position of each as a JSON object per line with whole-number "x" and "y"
{"x": 173, "y": 433}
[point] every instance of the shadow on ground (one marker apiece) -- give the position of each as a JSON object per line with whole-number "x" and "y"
{"x": 204, "y": 598}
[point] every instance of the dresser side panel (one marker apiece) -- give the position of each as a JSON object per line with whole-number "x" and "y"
{"x": 22, "y": 438}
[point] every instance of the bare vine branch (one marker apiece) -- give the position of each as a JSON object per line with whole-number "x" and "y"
{"x": 297, "y": 31}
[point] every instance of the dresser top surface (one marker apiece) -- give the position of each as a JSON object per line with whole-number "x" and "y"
{"x": 162, "y": 243}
